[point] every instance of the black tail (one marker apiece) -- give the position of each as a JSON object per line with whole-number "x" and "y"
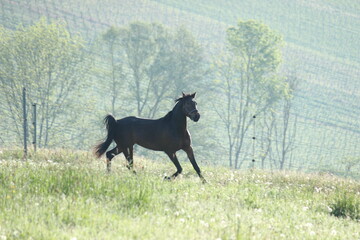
{"x": 110, "y": 124}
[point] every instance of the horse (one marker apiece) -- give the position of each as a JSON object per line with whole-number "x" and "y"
{"x": 168, "y": 134}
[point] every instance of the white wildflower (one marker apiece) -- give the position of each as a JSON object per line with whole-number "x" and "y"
{"x": 203, "y": 223}
{"x": 309, "y": 225}
{"x": 223, "y": 223}
{"x": 329, "y": 209}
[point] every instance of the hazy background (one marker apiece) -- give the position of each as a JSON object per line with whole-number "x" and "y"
{"x": 80, "y": 60}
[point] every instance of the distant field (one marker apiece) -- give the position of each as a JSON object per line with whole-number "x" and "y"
{"x": 68, "y": 195}
{"x": 319, "y": 25}
{"x": 322, "y": 48}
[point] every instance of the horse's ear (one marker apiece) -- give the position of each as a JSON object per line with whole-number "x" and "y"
{"x": 183, "y": 94}
{"x": 193, "y": 95}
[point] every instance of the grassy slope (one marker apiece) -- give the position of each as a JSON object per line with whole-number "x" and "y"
{"x": 63, "y": 195}
{"x": 319, "y": 25}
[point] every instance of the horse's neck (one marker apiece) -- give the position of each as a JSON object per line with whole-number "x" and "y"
{"x": 178, "y": 118}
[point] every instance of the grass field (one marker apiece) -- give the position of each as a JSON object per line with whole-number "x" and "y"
{"x": 67, "y": 195}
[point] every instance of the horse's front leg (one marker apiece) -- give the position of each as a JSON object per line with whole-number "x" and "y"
{"x": 190, "y": 153}
{"x": 174, "y": 159}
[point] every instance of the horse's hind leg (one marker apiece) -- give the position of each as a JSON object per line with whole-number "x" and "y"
{"x": 128, "y": 153}
{"x": 174, "y": 159}
{"x": 110, "y": 155}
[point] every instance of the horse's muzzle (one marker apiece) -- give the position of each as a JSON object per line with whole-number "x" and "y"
{"x": 196, "y": 117}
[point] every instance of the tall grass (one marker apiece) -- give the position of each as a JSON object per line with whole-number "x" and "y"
{"x": 68, "y": 195}
{"x": 346, "y": 205}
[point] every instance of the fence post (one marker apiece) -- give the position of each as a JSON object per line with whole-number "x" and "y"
{"x": 25, "y": 123}
{"x": 253, "y": 143}
{"x": 34, "y": 125}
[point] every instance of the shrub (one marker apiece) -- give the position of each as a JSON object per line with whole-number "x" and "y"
{"x": 346, "y": 205}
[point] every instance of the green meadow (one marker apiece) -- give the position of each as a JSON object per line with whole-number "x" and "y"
{"x": 68, "y": 195}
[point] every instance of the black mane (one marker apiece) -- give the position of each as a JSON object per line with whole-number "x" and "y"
{"x": 186, "y": 96}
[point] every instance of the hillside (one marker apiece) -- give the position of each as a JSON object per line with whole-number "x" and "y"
{"x": 322, "y": 39}
{"x": 321, "y": 26}
{"x": 322, "y": 47}
{"x": 67, "y": 195}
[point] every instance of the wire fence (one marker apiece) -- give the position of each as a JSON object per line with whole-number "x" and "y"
{"x": 328, "y": 110}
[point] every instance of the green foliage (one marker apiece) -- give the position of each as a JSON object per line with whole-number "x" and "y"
{"x": 187, "y": 60}
{"x": 249, "y": 81}
{"x": 161, "y": 63}
{"x": 140, "y": 41}
{"x": 256, "y": 42}
{"x": 346, "y": 205}
{"x": 48, "y": 62}
{"x": 257, "y": 49}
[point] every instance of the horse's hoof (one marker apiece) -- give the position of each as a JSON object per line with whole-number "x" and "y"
{"x": 166, "y": 178}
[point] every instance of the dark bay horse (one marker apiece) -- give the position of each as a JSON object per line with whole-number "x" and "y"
{"x": 168, "y": 134}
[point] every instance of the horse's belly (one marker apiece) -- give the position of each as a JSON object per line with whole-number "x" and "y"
{"x": 160, "y": 145}
{"x": 148, "y": 144}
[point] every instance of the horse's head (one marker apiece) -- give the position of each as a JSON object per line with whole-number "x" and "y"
{"x": 189, "y": 107}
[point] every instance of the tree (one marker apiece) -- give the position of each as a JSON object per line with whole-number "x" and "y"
{"x": 187, "y": 62}
{"x": 46, "y": 60}
{"x": 139, "y": 43}
{"x": 111, "y": 38}
{"x": 285, "y": 130}
{"x": 161, "y": 63}
{"x": 249, "y": 81}
{"x": 178, "y": 67}
{"x": 265, "y": 138}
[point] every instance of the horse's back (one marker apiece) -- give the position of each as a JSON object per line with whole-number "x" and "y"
{"x": 135, "y": 123}
{"x": 148, "y": 133}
